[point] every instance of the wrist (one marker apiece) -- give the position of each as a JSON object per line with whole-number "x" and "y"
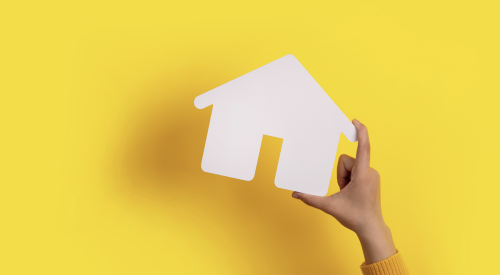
{"x": 373, "y": 229}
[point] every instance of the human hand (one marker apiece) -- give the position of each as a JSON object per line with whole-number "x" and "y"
{"x": 357, "y": 205}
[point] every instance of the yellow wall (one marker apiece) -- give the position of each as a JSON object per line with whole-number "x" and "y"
{"x": 101, "y": 144}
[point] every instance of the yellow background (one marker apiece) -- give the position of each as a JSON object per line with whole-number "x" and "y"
{"x": 101, "y": 144}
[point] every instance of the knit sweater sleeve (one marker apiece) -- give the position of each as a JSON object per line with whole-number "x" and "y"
{"x": 393, "y": 265}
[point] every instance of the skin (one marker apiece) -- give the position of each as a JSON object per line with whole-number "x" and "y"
{"x": 357, "y": 205}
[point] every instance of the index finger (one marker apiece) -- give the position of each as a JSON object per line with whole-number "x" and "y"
{"x": 363, "y": 153}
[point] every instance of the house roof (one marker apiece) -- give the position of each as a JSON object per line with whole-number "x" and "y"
{"x": 206, "y": 99}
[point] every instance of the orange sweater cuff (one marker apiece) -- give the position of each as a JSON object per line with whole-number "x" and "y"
{"x": 393, "y": 265}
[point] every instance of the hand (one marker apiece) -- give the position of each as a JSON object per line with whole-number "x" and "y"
{"x": 357, "y": 205}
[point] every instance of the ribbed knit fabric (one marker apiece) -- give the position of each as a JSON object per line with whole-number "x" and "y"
{"x": 393, "y": 265}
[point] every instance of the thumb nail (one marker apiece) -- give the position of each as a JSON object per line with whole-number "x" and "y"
{"x": 295, "y": 195}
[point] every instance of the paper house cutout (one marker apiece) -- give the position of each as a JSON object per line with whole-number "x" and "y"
{"x": 280, "y": 99}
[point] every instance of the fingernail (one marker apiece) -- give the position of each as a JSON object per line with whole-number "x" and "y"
{"x": 355, "y": 120}
{"x": 295, "y": 195}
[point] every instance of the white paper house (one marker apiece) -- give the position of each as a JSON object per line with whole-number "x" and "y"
{"x": 280, "y": 99}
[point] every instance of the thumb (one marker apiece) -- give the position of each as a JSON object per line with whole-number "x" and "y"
{"x": 311, "y": 200}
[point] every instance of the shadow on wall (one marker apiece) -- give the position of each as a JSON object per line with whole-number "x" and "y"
{"x": 254, "y": 222}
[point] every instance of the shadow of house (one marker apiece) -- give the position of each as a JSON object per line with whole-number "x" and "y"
{"x": 260, "y": 227}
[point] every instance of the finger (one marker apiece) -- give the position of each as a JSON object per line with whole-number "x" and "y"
{"x": 363, "y": 153}
{"x": 311, "y": 200}
{"x": 344, "y": 169}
